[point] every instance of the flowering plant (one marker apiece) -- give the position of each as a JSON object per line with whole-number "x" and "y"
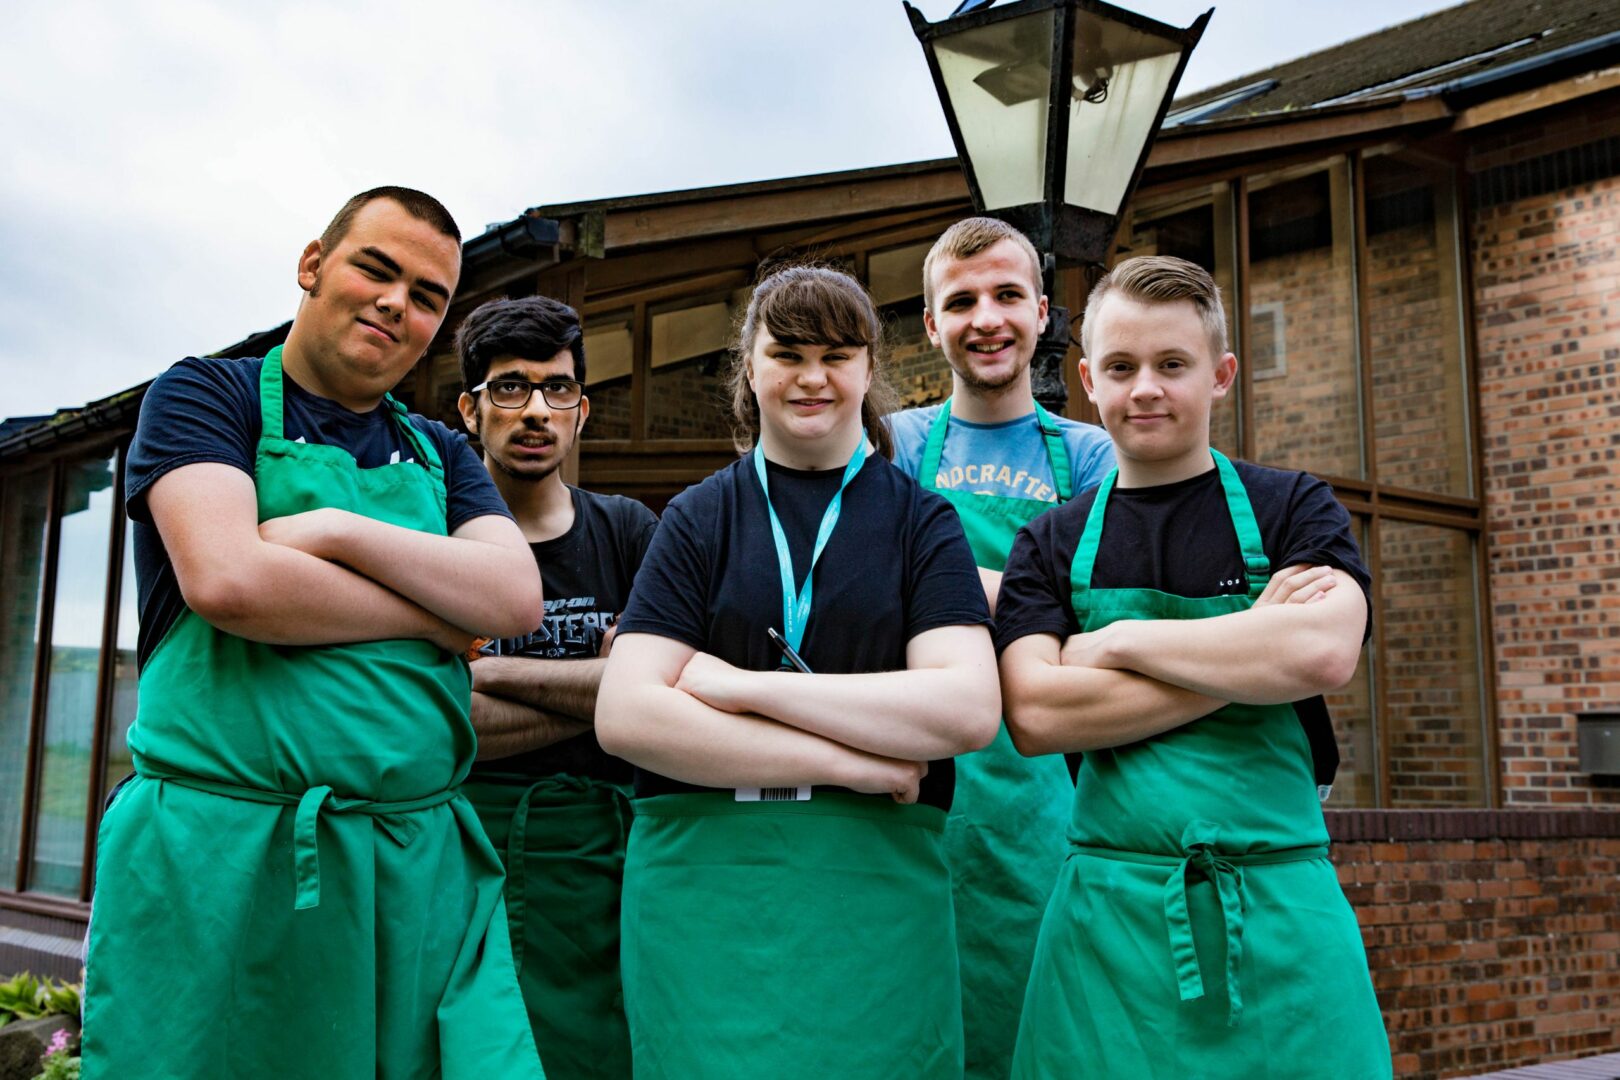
{"x": 58, "y": 1063}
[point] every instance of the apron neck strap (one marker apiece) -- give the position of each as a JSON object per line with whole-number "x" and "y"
{"x": 1255, "y": 563}
{"x": 1056, "y": 453}
{"x": 1051, "y": 436}
{"x": 271, "y": 401}
{"x": 273, "y": 411}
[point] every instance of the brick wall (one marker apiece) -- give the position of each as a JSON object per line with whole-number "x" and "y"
{"x": 1546, "y": 275}
{"x": 1493, "y": 937}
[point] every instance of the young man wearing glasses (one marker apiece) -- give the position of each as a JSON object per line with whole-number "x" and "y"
{"x": 553, "y": 803}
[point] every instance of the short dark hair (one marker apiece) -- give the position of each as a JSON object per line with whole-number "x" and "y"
{"x": 532, "y": 327}
{"x": 1160, "y": 279}
{"x": 419, "y": 205}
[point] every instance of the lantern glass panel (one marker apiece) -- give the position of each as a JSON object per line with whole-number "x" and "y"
{"x": 1121, "y": 75}
{"x": 999, "y": 79}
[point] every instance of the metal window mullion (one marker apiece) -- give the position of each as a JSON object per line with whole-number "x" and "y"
{"x": 100, "y": 735}
{"x": 42, "y": 667}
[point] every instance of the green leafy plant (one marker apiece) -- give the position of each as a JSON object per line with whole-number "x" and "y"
{"x": 23, "y": 996}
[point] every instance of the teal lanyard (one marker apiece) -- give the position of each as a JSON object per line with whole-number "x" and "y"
{"x": 796, "y": 603}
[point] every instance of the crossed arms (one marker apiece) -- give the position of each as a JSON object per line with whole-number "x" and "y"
{"x": 691, "y": 716}
{"x": 1134, "y": 679}
{"x": 328, "y": 577}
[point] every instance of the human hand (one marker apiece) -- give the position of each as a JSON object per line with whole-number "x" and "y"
{"x": 311, "y": 531}
{"x": 900, "y": 780}
{"x": 1298, "y": 584}
{"x": 453, "y": 640}
{"x": 605, "y": 646}
{"x": 1093, "y": 649}
{"x": 712, "y": 681}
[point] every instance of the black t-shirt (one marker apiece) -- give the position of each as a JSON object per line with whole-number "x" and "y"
{"x": 897, "y": 565}
{"x": 1177, "y": 538}
{"x": 587, "y": 572}
{"x": 208, "y": 410}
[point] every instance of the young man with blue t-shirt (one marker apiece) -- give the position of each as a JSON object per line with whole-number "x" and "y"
{"x": 312, "y": 561}
{"x": 1001, "y": 460}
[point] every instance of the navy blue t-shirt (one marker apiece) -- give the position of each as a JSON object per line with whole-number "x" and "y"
{"x": 897, "y": 565}
{"x": 208, "y": 410}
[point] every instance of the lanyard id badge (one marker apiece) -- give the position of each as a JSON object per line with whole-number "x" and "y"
{"x": 796, "y": 603}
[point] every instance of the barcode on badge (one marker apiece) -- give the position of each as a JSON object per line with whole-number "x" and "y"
{"x": 773, "y": 794}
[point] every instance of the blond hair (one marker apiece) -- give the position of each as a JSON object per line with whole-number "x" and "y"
{"x": 1161, "y": 279}
{"x": 966, "y": 239}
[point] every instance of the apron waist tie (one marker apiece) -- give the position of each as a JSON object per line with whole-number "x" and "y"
{"x": 394, "y": 817}
{"x": 1226, "y": 874}
{"x": 517, "y": 835}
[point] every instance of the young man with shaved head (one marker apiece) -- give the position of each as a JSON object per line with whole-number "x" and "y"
{"x": 1000, "y": 459}
{"x": 312, "y": 563}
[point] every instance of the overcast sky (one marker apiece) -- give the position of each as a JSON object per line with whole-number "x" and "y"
{"x": 163, "y": 164}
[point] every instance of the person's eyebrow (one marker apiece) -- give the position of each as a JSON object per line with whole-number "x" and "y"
{"x": 393, "y": 267}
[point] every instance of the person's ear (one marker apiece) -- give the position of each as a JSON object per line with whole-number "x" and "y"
{"x": 309, "y": 267}
{"x": 1225, "y": 375}
{"x": 468, "y": 407}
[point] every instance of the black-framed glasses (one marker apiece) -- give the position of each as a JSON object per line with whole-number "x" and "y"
{"x": 515, "y": 393}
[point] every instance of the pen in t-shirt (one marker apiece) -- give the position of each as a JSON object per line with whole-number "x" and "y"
{"x": 787, "y": 651}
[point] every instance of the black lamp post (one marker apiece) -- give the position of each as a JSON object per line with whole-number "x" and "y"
{"x": 1053, "y": 105}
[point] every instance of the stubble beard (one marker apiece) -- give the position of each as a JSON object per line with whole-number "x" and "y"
{"x": 990, "y": 388}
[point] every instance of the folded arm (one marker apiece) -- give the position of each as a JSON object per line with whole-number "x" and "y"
{"x": 946, "y": 702}
{"x": 1055, "y": 708}
{"x": 207, "y": 515}
{"x": 482, "y": 577}
{"x": 507, "y": 727}
{"x": 1269, "y": 654}
{"x": 642, "y": 716}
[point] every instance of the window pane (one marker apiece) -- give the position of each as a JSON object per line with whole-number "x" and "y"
{"x": 608, "y": 359}
{"x": 123, "y": 675}
{"x": 70, "y": 704}
{"x": 1352, "y": 712}
{"x": 689, "y": 399}
{"x": 24, "y": 503}
{"x": 1430, "y": 641}
{"x": 1302, "y": 322}
{"x": 1420, "y": 398}
{"x": 1198, "y": 226}
{"x": 999, "y": 78}
{"x": 1120, "y": 76}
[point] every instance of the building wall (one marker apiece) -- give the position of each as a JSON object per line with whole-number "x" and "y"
{"x": 1546, "y": 276}
{"x": 1493, "y": 937}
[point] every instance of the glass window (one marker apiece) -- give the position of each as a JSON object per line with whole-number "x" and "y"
{"x": 1431, "y": 673}
{"x": 1414, "y": 328}
{"x": 689, "y": 398}
{"x": 609, "y": 357}
{"x": 1302, "y": 355}
{"x": 124, "y": 676}
{"x": 1199, "y": 226}
{"x": 1120, "y": 76}
{"x": 24, "y": 507}
{"x": 78, "y": 609}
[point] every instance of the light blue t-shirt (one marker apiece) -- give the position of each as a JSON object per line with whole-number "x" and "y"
{"x": 1007, "y": 459}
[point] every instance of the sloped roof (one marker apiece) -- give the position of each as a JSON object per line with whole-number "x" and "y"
{"x": 1473, "y": 39}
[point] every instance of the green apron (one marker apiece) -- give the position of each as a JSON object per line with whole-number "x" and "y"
{"x": 1003, "y": 839}
{"x": 1198, "y": 928}
{"x": 562, "y": 840}
{"x": 291, "y": 885}
{"x": 792, "y": 940}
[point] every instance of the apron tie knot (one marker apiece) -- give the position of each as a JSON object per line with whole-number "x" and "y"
{"x": 1198, "y": 848}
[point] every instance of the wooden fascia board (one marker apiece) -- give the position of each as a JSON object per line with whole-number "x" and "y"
{"x": 639, "y": 226}
{"x": 1542, "y": 97}
{"x": 1179, "y": 150}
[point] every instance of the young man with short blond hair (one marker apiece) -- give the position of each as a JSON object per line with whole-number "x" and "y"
{"x": 1198, "y": 927}
{"x": 1000, "y": 460}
